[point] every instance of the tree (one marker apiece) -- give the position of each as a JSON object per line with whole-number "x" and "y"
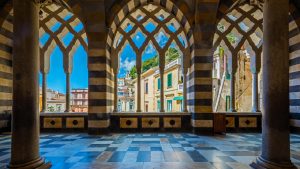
{"x": 172, "y": 54}
{"x": 150, "y": 63}
{"x": 132, "y": 72}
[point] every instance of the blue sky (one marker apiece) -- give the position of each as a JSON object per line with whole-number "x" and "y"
{"x": 128, "y": 56}
{"x": 56, "y": 79}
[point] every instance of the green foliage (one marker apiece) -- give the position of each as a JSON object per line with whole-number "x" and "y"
{"x": 221, "y": 27}
{"x": 171, "y": 55}
{"x": 231, "y": 38}
{"x": 51, "y": 109}
{"x": 132, "y": 72}
{"x": 150, "y": 63}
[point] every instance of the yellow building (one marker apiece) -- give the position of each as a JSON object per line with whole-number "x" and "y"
{"x": 173, "y": 87}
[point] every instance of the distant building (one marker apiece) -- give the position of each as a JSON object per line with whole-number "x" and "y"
{"x": 79, "y": 100}
{"x": 56, "y": 102}
{"x": 125, "y": 95}
{"x": 173, "y": 95}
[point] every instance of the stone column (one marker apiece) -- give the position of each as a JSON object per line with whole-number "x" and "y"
{"x": 162, "y": 92}
{"x": 44, "y": 93}
{"x": 254, "y": 92}
{"x": 232, "y": 91}
{"x": 139, "y": 91}
{"x": 161, "y": 74}
{"x": 139, "y": 72}
{"x": 25, "y": 119}
{"x": 68, "y": 92}
{"x": 185, "y": 90}
{"x": 115, "y": 92}
{"x": 275, "y": 121}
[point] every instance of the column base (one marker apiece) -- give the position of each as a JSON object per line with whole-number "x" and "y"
{"x": 35, "y": 164}
{"x": 261, "y": 163}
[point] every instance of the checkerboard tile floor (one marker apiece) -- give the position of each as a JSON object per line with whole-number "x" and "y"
{"x": 149, "y": 151}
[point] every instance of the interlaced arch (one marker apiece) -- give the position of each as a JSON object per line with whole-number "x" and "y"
{"x": 239, "y": 34}
{"x": 244, "y": 22}
{"x": 151, "y": 22}
{"x": 59, "y": 27}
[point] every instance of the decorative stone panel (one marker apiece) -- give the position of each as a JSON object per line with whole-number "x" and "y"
{"x": 247, "y": 122}
{"x": 128, "y": 123}
{"x": 150, "y": 122}
{"x": 52, "y": 122}
{"x": 230, "y": 122}
{"x": 75, "y": 122}
{"x": 172, "y": 122}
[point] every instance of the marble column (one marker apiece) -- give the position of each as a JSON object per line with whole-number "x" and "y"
{"x": 139, "y": 91}
{"x": 115, "y": 92}
{"x": 162, "y": 61}
{"x": 139, "y": 72}
{"x": 232, "y": 91}
{"x": 68, "y": 92}
{"x": 185, "y": 89}
{"x": 25, "y": 118}
{"x": 275, "y": 121}
{"x": 44, "y": 92}
{"x": 162, "y": 91}
{"x": 254, "y": 92}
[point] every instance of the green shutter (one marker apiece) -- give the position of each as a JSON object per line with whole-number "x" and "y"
{"x": 158, "y": 105}
{"x": 158, "y": 84}
{"x": 170, "y": 80}
{"x": 169, "y": 105}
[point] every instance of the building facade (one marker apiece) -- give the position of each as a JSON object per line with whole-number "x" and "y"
{"x": 126, "y": 93}
{"x": 79, "y": 100}
{"x": 173, "y": 87}
{"x": 56, "y": 101}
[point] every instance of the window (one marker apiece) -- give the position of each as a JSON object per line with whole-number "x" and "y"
{"x": 119, "y": 106}
{"x": 146, "y": 88}
{"x": 158, "y": 105}
{"x": 58, "y": 107}
{"x": 158, "y": 84}
{"x": 146, "y": 108}
{"x": 170, "y": 80}
{"x": 131, "y": 106}
{"x": 169, "y": 104}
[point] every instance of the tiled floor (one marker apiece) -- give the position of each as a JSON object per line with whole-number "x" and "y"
{"x": 149, "y": 151}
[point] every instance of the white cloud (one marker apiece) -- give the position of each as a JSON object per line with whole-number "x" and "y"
{"x": 150, "y": 49}
{"x": 127, "y": 65}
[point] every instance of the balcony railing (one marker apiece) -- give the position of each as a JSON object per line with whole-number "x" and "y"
{"x": 173, "y": 63}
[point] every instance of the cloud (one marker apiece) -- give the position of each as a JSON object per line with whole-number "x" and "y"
{"x": 161, "y": 38}
{"x": 150, "y": 49}
{"x": 126, "y": 65}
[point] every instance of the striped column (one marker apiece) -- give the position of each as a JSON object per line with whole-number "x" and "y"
{"x": 6, "y": 35}
{"x": 200, "y": 75}
{"x": 100, "y": 71}
{"x": 294, "y": 69}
